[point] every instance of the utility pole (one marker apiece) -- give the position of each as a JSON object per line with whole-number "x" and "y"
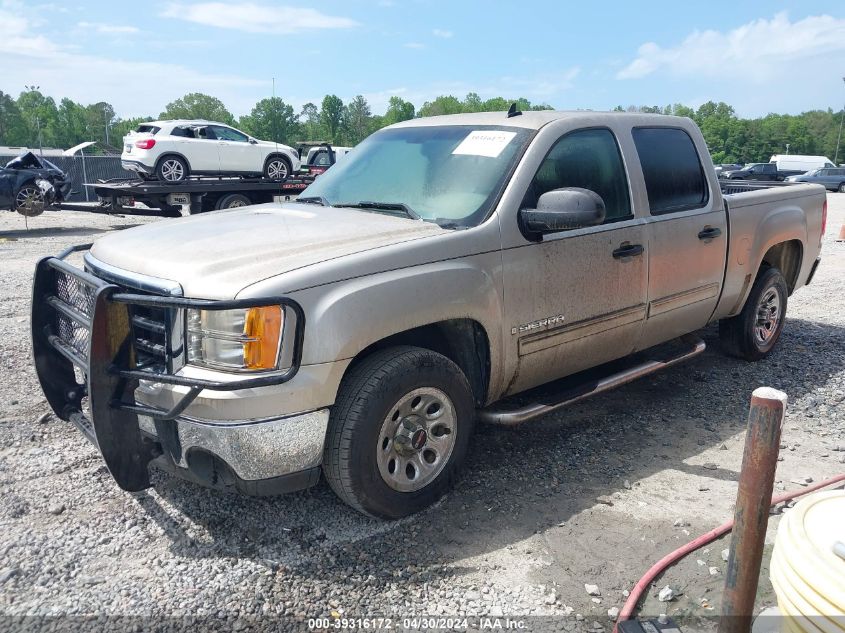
{"x": 34, "y": 88}
{"x": 106, "y": 117}
{"x": 839, "y": 138}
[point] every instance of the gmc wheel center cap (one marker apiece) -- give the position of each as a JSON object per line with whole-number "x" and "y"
{"x": 418, "y": 439}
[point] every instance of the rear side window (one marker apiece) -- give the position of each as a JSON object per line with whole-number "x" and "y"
{"x": 148, "y": 129}
{"x": 674, "y": 179}
{"x": 182, "y": 131}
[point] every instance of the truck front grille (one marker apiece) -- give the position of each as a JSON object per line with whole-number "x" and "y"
{"x": 150, "y": 329}
{"x": 76, "y": 296}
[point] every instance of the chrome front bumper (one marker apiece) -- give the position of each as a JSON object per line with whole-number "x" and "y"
{"x": 252, "y": 449}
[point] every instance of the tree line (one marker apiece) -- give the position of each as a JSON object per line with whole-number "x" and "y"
{"x": 34, "y": 120}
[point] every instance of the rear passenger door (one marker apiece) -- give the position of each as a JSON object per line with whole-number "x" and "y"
{"x": 198, "y": 148}
{"x": 687, "y": 235}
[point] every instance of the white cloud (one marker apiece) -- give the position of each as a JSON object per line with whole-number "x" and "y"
{"x": 414, "y": 45}
{"x": 29, "y": 57}
{"x": 759, "y": 51}
{"x": 442, "y": 33}
{"x": 256, "y": 18}
{"x": 108, "y": 29}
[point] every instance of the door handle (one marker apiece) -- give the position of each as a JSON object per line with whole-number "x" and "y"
{"x": 628, "y": 250}
{"x": 709, "y": 233}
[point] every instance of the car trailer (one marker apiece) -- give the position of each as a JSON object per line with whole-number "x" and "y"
{"x": 199, "y": 194}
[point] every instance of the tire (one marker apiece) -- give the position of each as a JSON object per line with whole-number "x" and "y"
{"x": 172, "y": 169}
{"x": 233, "y": 201}
{"x": 382, "y": 405}
{"x": 29, "y": 200}
{"x": 277, "y": 168}
{"x": 746, "y": 335}
{"x": 842, "y": 187}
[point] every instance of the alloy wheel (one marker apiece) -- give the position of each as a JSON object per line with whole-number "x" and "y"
{"x": 416, "y": 439}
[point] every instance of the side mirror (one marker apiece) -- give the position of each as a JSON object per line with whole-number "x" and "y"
{"x": 253, "y": 141}
{"x": 564, "y": 209}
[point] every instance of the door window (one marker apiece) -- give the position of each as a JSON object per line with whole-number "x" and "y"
{"x": 228, "y": 134}
{"x": 589, "y": 159}
{"x": 674, "y": 179}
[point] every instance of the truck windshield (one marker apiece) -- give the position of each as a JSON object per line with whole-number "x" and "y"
{"x": 447, "y": 174}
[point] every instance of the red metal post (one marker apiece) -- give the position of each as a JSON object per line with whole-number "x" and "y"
{"x": 751, "y": 517}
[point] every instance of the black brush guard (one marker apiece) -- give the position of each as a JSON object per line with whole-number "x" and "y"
{"x": 79, "y": 320}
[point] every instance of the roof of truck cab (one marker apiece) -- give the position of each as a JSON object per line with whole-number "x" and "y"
{"x": 536, "y": 119}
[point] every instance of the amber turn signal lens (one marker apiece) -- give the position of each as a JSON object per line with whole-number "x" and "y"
{"x": 263, "y": 330}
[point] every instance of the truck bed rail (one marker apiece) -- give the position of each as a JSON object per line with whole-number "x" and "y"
{"x": 739, "y": 186}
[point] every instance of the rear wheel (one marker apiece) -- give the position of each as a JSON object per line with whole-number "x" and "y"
{"x": 755, "y": 331}
{"x": 277, "y": 168}
{"x": 398, "y": 432}
{"x": 172, "y": 169}
{"x": 233, "y": 201}
{"x": 842, "y": 187}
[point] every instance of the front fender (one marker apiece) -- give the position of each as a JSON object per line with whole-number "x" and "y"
{"x": 345, "y": 317}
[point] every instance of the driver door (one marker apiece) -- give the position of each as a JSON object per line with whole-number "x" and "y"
{"x": 237, "y": 154}
{"x": 577, "y": 298}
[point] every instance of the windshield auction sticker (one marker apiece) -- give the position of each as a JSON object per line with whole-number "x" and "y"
{"x": 488, "y": 143}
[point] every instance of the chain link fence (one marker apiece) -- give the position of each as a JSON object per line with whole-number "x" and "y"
{"x": 95, "y": 168}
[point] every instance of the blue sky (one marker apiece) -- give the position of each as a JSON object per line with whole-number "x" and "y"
{"x": 760, "y": 57}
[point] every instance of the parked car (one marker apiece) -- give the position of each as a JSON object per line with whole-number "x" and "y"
{"x": 174, "y": 150}
{"x": 726, "y": 167}
{"x": 318, "y": 156}
{"x": 29, "y": 184}
{"x": 833, "y": 178}
{"x": 758, "y": 171}
{"x": 800, "y": 163}
{"x": 446, "y": 263}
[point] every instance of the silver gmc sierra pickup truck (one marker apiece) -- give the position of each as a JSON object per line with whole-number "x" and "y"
{"x": 447, "y": 263}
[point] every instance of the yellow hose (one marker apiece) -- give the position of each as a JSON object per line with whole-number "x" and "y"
{"x": 808, "y": 577}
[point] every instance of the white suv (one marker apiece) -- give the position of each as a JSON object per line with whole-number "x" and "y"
{"x": 173, "y": 150}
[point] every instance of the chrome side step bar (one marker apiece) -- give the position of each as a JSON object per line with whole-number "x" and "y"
{"x": 514, "y": 417}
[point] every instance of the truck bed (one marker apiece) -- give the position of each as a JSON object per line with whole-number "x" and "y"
{"x": 761, "y": 214}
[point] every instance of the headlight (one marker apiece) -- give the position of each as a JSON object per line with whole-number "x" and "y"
{"x": 235, "y": 339}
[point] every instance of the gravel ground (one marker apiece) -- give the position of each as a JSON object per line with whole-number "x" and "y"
{"x": 591, "y": 495}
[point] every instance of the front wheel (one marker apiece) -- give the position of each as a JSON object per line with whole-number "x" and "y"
{"x": 398, "y": 432}
{"x": 842, "y": 188}
{"x": 754, "y": 332}
{"x": 29, "y": 200}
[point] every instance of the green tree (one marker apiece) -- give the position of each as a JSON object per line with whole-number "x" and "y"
{"x": 40, "y": 114}
{"x": 13, "y": 128}
{"x": 309, "y": 118}
{"x": 196, "y": 105}
{"x": 397, "y": 110}
{"x": 358, "y": 119}
{"x": 100, "y": 117}
{"x": 72, "y": 124}
{"x": 331, "y": 117}
{"x": 273, "y": 120}
{"x": 442, "y": 105}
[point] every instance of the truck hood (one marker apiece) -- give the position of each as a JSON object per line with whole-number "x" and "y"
{"x": 216, "y": 255}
